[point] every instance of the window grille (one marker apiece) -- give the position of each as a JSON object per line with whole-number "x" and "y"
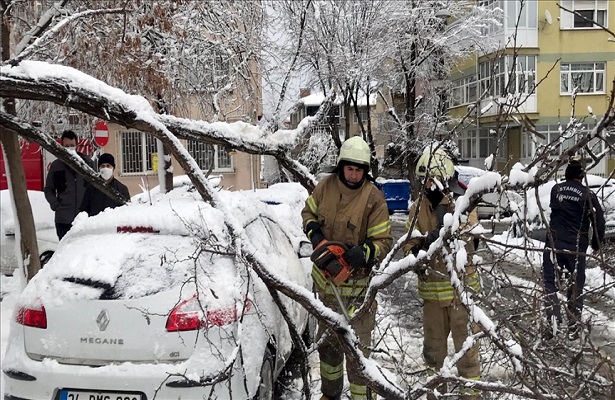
{"x": 211, "y": 156}
{"x": 137, "y": 150}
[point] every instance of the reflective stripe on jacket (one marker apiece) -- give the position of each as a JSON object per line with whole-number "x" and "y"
{"x": 349, "y": 216}
{"x": 436, "y": 284}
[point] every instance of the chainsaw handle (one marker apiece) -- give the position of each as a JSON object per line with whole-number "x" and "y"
{"x": 323, "y": 247}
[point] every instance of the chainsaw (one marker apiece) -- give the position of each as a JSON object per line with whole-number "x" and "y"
{"x": 328, "y": 256}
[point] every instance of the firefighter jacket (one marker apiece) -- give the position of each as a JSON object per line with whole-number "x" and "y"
{"x": 436, "y": 284}
{"x": 573, "y": 208}
{"x": 349, "y": 216}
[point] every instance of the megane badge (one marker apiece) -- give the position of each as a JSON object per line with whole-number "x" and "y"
{"x": 103, "y": 320}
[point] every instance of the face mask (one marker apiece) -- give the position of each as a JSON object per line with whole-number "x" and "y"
{"x": 106, "y": 173}
{"x": 72, "y": 150}
{"x": 434, "y": 196}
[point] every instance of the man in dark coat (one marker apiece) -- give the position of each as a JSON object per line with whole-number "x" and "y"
{"x": 64, "y": 187}
{"x": 95, "y": 201}
{"x": 573, "y": 208}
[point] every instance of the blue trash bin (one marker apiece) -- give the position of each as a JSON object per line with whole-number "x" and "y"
{"x": 396, "y": 193}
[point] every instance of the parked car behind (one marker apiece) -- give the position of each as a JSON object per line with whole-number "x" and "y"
{"x": 493, "y": 204}
{"x": 43, "y": 222}
{"x": 530, "y": 211}
{"x": 145, "y": 301}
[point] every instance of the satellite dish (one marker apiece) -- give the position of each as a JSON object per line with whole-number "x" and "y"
{"x": 548, "y": 18}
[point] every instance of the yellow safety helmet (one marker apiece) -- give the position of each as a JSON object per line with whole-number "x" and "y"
{"x": 437, "y": 164}
{"x": 355, "y": 150}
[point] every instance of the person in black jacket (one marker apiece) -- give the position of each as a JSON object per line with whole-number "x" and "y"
{"x": 95, "y": 201}
{"x": 64, "y": 187}
{"x": 573, "y": 208}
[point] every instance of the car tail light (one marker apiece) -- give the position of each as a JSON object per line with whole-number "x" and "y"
{"x": 34, "y": 317}
{"x": 187, "y": 316}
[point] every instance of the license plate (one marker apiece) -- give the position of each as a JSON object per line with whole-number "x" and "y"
{"x": 84, "y": 395}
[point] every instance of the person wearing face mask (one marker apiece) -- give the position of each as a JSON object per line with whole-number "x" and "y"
{"x": 443, "y": 312}
{"x": 95, "y": 201}
{"x": 64, "y": 187}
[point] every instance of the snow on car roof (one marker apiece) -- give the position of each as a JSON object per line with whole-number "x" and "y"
{"x": 181, "y": 222}
{"x": 42, "y": 213}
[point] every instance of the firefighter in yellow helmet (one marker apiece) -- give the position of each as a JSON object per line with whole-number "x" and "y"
{"x": 443, "y": 312}
{"x": 347, "y": 207}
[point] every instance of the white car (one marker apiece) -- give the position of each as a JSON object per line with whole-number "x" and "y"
{"x": 493, "y": 204}
{"x": 530, "y": 212}
{"x": 149, "y": 301}
{"x": 44, "y": 224}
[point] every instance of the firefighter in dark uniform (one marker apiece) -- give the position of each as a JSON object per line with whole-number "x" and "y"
{"x": 574, "y": 207}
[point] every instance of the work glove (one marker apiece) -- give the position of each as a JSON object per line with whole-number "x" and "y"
{"x": 430, "y": 238}
{"x": 314, "y": 233}
{"x": 370, "y": 252}
{"x": 355, "y": 256}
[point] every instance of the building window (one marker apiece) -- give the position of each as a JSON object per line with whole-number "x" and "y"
{"x": 524, "y": 74}
{"x": 464, "y": 91}
{"x": 362, "y": 113}
{"x": 137, "y": 150}
{"x": 586, "y": 13}
{"x": 481, "y": 144}
{"x": 210, "y": 156}
{"x": 560, "y": 141}
{"x": 208, "y": 73}
{"x": 582, "y": 77}
{"x": 522, "y": 14}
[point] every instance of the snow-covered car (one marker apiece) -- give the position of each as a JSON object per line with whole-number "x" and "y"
{"x": 43, "y": 222}
{"x": 530, "y": 212}
{"x": 494, "y": 203}
{"x": 150, "y": 301}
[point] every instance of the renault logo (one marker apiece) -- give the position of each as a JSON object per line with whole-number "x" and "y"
{"x": 103, "y": 320}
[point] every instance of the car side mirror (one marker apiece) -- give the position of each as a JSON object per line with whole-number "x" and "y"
{"x": 305, "y": 249}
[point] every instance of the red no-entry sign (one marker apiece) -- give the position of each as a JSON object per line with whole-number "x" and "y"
{"x": 101, "y": 133}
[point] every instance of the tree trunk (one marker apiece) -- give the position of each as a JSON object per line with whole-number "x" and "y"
{"x": 17, "y": 177}
{"x": 22, "y": 208}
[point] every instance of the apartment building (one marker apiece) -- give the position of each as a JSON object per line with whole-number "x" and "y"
{"x": 546, "y": 55}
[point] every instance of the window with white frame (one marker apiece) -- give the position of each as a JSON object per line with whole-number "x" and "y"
{"x": 209, "y": 155}
{"x": 586, "y": 12}
{"x": 362, "y": 113}
{"x": 559, "y": 140}
{"x": 464, "y": 91}
{"x": 492, "y": 77}
{"x": 585, "y": 77}
{"x": 481, "y": 143}
{"x": 524, "y": 73}
{"x": 467, "y": 144}
{"x": 522, "y": 14}
{"x": 137, "y": 152}
{"x": 492, "y": 28}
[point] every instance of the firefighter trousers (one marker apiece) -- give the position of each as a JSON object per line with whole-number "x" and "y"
{"x": 440, "y": 321}
{"x": 568, "y": 271}
{"x": 332, "y": 356}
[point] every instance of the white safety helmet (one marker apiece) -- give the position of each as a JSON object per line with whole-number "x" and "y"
{"x": 437, "y": 164}
{"x": 355, "y": 150}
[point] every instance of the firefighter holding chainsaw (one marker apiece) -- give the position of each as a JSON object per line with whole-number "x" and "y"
{"x": 443, "y": 312}
{"x": 347, "y": 220}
